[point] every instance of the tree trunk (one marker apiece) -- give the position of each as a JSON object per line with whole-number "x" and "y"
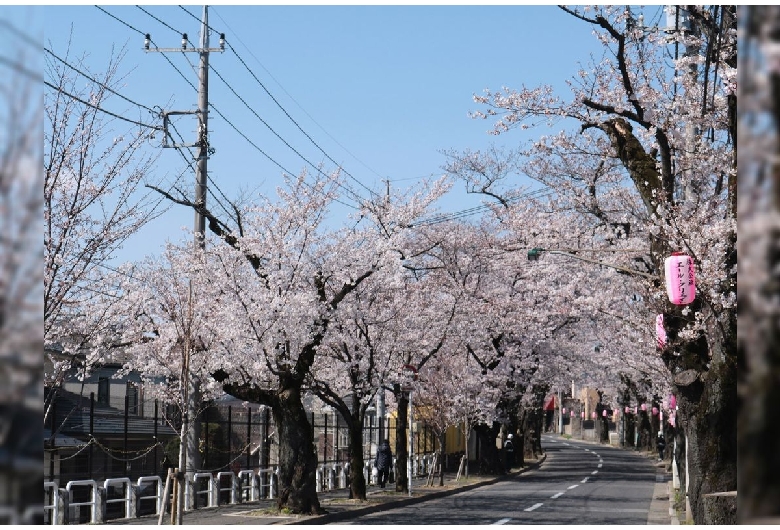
{"x": 442, "y": 435}
{"x": 707, "y": 407}
{"x": 401, "y": 437}
{"x": 297, "y": 459}
{"x": 489, "y": 457}
{"x": 357, "y": 481}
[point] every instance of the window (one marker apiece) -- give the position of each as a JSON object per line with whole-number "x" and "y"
{"x": 103, "y": 391}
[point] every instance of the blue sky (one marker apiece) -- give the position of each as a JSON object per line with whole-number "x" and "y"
{"x": 382, "y": 90}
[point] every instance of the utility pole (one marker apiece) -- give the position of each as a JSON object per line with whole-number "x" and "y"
{"x": 189, "y": 457}
{"x": 202, "y": 141}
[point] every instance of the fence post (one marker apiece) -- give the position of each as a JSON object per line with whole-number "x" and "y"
{"x": 248, "y": 434}
{"x": 332, "y": 477}
{"x": 336, "y": 437}
{"x": 156, "y": 443}
{"x": 325, "y": 445}
{"x": 91, "y": 431}
{"x": 208, "y": 438}
{"x": 230, "y": 433}
{"x": 274, "y": 484}
{"x": 64, "y": 506}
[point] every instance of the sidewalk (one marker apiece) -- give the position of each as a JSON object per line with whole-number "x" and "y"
{"x": 337, "y": 504}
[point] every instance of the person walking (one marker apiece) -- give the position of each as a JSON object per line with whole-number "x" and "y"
{"x": 383, "y": 462}
{"x": 660, "y": 444}
{"x": 509, "y": 449}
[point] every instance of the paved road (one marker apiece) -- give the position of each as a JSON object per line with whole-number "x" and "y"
{"x": 579, "y": 483}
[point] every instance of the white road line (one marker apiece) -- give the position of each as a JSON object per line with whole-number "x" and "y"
{"x": 600, "y": 465}
{"x": 564, "y": 443}
{"x": 503, "y": 521}
{"x": 595, "y": 472}
{"x": 572, "y": 487}
{"x": 583, "y": 481}
{"x": 532, "y": 508}
{"x": 557, "y": 494}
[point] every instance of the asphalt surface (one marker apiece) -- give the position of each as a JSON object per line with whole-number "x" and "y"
{"x": 578, "y": 483}
{"x": 560, "y": 488}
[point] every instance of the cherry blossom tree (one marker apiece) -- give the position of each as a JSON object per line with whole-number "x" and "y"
{"x": 651, "y": 170}
{"x": 94, "y": 167}
{"x": 165, "y": 321}
{"x": 354, "y": 362}
{"x": 287, "y": 275}
{"x": 454, "y": 394}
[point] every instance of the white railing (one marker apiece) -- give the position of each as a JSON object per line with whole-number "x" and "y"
{"x": 245, "y": 486}
{"x": 196, "y": 479}
{"x": 127, "y": 499}
{"x": 54, "y": 507}
{"x": 93, "y": 504}
{"x": 159, "y": 496}
{"x": 252, "y": 493}
{"x": 232, "y": 488}
{"x": 268, "y": 488}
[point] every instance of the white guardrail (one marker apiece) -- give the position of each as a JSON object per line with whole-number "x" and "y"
{"x": 64, "y": 505}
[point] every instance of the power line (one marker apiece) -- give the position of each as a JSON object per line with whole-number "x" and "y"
{"x": 96, "y": 107}
{"x": 189, "y": 166}
{"x": 212, "y": 106}
{"x": 542, "y": 192}
{"x": 290, "y": 96}
{"x": 286, "y": 113}
{"x": 316, "y": 168}
{"x": 121, "y": 21}
{"x": 295, "y": 122}
{"x": 285, "y": 142}
{"x": 144, "y": 34}
{"x": 102, "y": 85}
{"x": 160, "y": 21}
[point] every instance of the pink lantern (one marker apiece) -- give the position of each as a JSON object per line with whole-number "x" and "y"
{"x": 673, "y": 402}
{"x": 572, "y": 414}
{"x": 644, "y": 407}
{"x": 636, "y": 410}
{"x": 564, "y": 410}
{"x": 660, "y": 332}
{"x": 604, "y": 413}
{"x": 627, "y": 410}
{"x": 655, "y": 411}
{"x": 593, "y": 415}
{"x": 582, "y": 414}
{"x": 680, "y": 278}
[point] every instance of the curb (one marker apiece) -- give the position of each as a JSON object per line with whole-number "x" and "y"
{"x": 389, "y": 505}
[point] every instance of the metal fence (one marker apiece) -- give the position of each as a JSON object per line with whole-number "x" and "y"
{"x": 103, "y": 444}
